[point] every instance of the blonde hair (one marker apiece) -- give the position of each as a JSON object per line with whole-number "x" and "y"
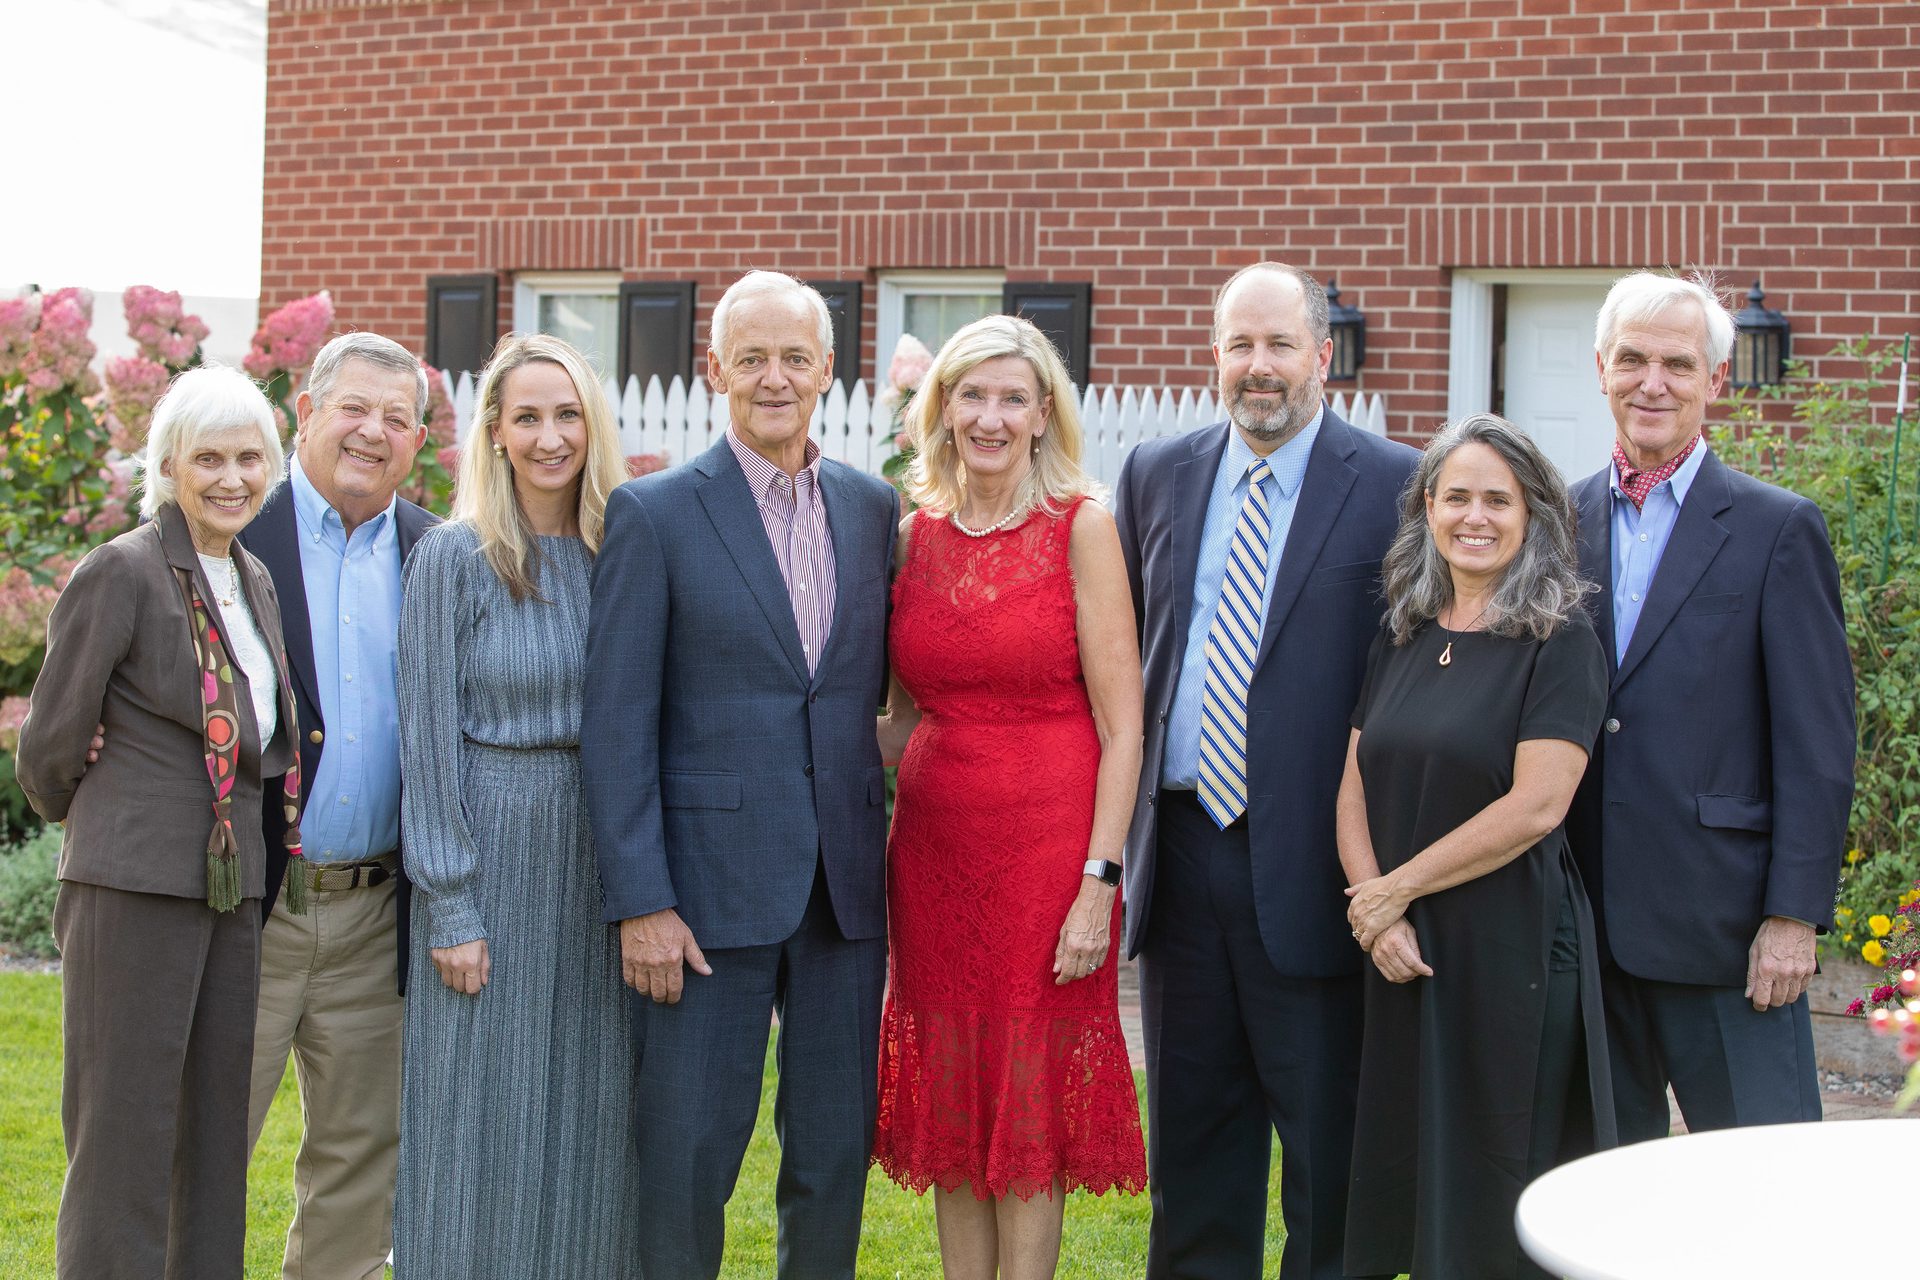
{"x": 483, "y": 493}
{"x": 936, "y": 478}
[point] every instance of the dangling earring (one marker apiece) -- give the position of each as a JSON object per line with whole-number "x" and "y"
{"x": 499, "y": 450}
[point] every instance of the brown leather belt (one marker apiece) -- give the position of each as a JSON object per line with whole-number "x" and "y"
{"x": 333, "y": 877}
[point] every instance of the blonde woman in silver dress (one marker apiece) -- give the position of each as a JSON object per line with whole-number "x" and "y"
{"x": 514, "y": 1150}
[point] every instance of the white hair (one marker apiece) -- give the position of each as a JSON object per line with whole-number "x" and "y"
{"x": 210, "y": 398}
{"x": 1640, "y": 297}
{"x": 376, "y": 350}
{"x": 768, "y": 284}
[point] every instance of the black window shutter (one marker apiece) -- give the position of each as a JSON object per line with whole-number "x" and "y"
{"x": 843, "y": 308}
{"x": 656, "y": 332}
{"x": 1064, "y": 312}
{"x": 462, "y": 320}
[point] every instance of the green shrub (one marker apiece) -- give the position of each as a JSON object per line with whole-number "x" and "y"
{"x": 1865, "y": 476}
{"x": 27, "y": 889}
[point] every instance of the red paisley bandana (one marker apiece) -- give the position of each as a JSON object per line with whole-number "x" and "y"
{"x": 1638, "y": 484}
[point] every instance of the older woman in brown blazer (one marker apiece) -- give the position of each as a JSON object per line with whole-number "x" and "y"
{"x": 169, "y": 638}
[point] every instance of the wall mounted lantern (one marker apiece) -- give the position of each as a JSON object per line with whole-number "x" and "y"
{"x": 1760, "y": 343}
{"x": 1348, "y": 329}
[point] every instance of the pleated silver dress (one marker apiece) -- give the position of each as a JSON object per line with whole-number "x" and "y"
{"x": 515, "y": 1141}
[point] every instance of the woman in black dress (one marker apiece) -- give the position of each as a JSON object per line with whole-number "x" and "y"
{"x": 1483, "y": 1062}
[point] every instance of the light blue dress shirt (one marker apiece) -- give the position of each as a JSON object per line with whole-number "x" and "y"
{"x": 1639, "y": 540}
{"x": 353, "y": 606}
{"x": 1180, "y": 768}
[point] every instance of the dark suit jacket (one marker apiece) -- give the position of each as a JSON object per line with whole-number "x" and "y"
{"x": 1323, "y": 614}
{"x": 274, "y": 536}
{"x": 1718, "y": 791}
{"x": 120, "y": 653}
{"x": 719, "y": 775}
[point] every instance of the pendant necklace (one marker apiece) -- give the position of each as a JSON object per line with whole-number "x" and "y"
{"x": 1446, "y": 654}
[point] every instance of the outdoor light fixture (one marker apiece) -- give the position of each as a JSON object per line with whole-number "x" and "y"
{"x": 1348, "y": 329}
{"x": 1759, "y": 343}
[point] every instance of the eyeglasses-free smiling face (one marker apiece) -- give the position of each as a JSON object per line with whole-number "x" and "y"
{"x": 996, "y": 412}
{"x": 543, "y": 429}
{"x": 357, "y": 448}
{"x": 1658, "y": 383}
{"x": 1271, "y": 370}
{"x": 772, "y": 373}
{"x": 1477, "y": 515}
{"x": 219, "y": 482}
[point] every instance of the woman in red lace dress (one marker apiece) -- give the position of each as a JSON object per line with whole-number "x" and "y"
{"x": 1015, "y": 718}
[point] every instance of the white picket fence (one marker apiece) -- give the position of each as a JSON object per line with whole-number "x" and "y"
{"x": 678, "y": 422}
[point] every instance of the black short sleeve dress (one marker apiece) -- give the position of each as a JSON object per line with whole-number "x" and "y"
{"x": 1451, "y": 1064}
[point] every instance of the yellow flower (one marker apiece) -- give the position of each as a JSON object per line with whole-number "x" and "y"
{"x": 1910, "y": 897}
{"x": 1845, "y": 913}
{"x": 1873, "y": 953}
{"x": 1853, "y": 856}
{"x": 1880, "y": 925}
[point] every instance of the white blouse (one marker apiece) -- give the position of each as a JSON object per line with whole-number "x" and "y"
{"x": 249, "y": 647}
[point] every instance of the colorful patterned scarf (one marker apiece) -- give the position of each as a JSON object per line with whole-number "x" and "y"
{"x": 221, "y": 735}
{"x": 1638, "y": 484}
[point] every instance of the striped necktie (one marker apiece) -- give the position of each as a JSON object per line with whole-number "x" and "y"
{"x": 1231, "y": 646}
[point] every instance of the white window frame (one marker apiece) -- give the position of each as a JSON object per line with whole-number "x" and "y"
{"x": 530, "y": 287}
{"x": 895, "y": 286}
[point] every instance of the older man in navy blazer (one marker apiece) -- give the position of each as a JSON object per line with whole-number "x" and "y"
{"x": 1714, "y": 809}
{"x": 1250, "y": 978}
{"x": 736, "y": 654}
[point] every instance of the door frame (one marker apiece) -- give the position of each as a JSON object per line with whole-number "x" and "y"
{"x": 1470, "y": 336}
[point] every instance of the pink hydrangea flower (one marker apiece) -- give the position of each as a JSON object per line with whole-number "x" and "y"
{"x": 19, "y": 317}
{"x": 13, "y": 714}
{"x": 61, "y": 352}
{"x": 910, "y": 363}
{"x": 645, "y": 464}
{"x": 158, "y": 322}
{"x": 440, "y": 417}
{"x": 134, "y": 385}
{"x": 289, "y": 339}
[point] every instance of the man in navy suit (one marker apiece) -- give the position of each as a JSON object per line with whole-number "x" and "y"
{"x": 334, "y": 537}
{"x": 1710, "y": 822}
{"x": 1250, "y": 978}
{"x": 736, "y": 656}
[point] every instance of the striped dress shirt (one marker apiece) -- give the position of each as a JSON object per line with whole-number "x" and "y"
{"x": 795, "y": 519}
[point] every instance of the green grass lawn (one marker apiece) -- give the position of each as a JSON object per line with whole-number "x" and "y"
{"x": 1106, "y": 1236}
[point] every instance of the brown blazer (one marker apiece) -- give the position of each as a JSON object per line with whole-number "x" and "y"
{"x": 120, "y": 653}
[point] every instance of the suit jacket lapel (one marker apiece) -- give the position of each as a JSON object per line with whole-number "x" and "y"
{"x": 728, "y": 500}
{"x": 849, "y": 532}
{"x": 1192, "y": 485}
{"x": 1695, "y": 541}
{"x": 1323, "y": 491}
{"x": 1593, "y": 498}
{"x": 274, "y": 536}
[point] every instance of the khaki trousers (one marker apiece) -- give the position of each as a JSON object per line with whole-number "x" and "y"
{"x": 157, "y": 1006}
{"x": 328, "y": 993}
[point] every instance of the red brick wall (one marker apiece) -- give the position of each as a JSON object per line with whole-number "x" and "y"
{"x": 1150, "y": 146}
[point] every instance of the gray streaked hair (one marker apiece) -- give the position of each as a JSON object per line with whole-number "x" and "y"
{"x": 209, "y": 398}
{"x": 1310, "y": 289}
{"x": 767, "y": 284}
{"x": 1645, "y": 295}
{"x": 1541, "y": 586}
{"x": 375, "y": 350}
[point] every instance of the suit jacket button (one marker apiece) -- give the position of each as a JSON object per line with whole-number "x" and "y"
{"x": 316, "y": 737}
{"x": 809, "y": 771}
{"x": 1612, "y": 725}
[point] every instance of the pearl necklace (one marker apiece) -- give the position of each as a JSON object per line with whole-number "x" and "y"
{"x": 995, "y": 527}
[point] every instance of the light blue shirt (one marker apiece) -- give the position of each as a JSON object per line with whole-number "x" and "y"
{"x": 353, "y": 606}
{"x": 1639, "y": 540}
{"x": 1180, "y": 767}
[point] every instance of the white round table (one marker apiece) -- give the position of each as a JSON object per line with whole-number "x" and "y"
{"x": 1768, "y": 1201}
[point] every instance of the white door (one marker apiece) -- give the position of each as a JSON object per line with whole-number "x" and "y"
{"x": 1552, "y": 391}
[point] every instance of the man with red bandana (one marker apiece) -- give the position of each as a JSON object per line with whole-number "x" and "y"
{"x": 1711, "y": 820}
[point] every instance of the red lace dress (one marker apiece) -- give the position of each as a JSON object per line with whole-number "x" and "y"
{"x": 990, "y": 1075}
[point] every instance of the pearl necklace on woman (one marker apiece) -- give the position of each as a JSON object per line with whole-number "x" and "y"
{"x": 995, "y": 527}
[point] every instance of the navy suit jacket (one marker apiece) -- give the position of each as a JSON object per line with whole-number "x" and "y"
{"x": 1719, "y": 788}
{"x": 718, "y": 774}
{"x": 274, "y": 536}
{"x": 1322, "y": 616}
